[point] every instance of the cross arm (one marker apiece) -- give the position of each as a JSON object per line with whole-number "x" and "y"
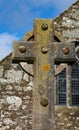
{"x": 23, "y": 51}
{"x": 64, "y": 52}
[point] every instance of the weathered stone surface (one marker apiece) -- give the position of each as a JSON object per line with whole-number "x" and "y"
{"x": 68, "y": 23}
{"x": 15, "y": 97}
{"x": 14, "y": 102}
{"x": 16, "y": 86}
{"x": 26, "y": 77}
{"x": 13, "y": 76}
{"x": 66, "y": 118}
{"x": 18, "y": 128}
{"x": 1, "y": 71}
{"x": 8, "y": 121}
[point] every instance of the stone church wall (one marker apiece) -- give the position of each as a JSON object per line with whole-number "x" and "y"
{"x": 15, "y": 97}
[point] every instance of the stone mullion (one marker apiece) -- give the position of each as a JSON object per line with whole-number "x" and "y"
{"x": 68, "y": 85}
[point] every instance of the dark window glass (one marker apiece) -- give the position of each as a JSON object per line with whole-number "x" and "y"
{"x": 61, "y": 88}
{"x": 75, "y": 85}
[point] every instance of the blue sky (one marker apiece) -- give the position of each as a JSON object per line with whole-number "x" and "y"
{"x": 17, "y": 17}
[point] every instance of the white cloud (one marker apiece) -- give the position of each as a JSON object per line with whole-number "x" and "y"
{"x": 6, "y": 43}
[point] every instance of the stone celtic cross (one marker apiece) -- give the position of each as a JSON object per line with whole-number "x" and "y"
{"x": 44, "y": 53}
